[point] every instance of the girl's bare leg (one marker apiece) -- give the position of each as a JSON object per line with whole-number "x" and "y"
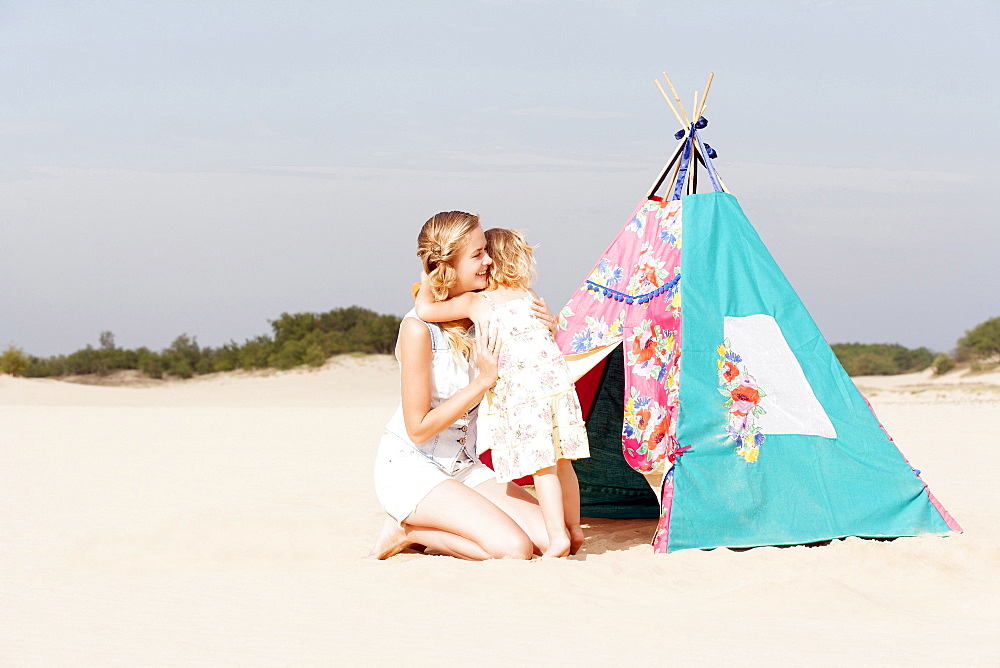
{"x": 550, "y": 498}
{"x": 571, "y": 503}
{"x": 521, "y": 506}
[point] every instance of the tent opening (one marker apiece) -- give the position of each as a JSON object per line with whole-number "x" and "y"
{"x": 609, "y": 487}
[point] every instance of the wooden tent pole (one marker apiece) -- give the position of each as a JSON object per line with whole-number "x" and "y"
{"x": 711, "y": 75}
{"x": 680, "y": 106}
{"x": 680, "y": 120}
{"x": 704, "y": 159}
{"x": 698, "y": 109}
{"x": 663, "y": 172}
{"x": 722, "y": 183}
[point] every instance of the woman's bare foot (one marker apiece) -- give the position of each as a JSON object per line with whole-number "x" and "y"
{"x": 391, "y": 540}
{"x": 575, "y": 539}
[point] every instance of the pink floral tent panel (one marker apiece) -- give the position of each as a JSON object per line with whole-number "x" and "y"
{"x": 631, "y": 296}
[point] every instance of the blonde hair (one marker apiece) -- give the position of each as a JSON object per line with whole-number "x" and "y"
{"x": 438, "y": 244}
{"x": 513, "y": 260}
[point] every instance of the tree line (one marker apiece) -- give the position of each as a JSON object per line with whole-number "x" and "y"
{"x": 311, "y": 338}
{"x": 295, "y": 340}
{"x": 978, "y": 348}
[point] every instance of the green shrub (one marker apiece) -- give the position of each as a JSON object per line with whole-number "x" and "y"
{"x": 983, "y": 340}
{"x": 942, "y": 364}
{"x": 150, "y": 363}
{"x": 300, "y": 338}
{"x": 881, "y": 359}
{"x": 227, "y": 358}
{"x": 14, "y": 361}
{"x": 315, "y": 356}
{"x": 255, "y": 353}
{"x": 45, "y": 367}
{"x": 873, "y": 364}
{"x": 291, "y": 354}
{"x": 179, "y": 367}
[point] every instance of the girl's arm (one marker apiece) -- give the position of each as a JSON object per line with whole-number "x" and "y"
{"x": 471, "y": 305}
{"x": 456, "y": 308}
{"x": 415, "y": 354}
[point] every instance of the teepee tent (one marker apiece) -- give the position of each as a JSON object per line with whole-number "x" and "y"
{"x": 703, "y": 377}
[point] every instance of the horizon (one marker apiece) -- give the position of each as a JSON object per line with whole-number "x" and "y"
{"x": 194, "y": 338}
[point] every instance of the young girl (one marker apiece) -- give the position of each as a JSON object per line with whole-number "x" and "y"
{"x": 537, "y": 425}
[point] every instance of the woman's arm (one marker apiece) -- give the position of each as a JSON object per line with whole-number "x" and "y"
{"x": 415, "y": 354}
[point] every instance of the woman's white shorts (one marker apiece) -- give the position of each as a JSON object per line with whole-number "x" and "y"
{"x": 404, "y": 477}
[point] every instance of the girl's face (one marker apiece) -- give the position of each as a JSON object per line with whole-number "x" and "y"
{"x": 472, "y": 264}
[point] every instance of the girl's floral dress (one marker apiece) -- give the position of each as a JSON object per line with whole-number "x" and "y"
{"x": 535, "y": 414}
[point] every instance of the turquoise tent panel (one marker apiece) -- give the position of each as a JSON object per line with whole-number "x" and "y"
{"x": 802, "y": 487}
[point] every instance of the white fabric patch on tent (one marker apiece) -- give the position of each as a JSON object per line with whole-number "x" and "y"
{"x": 791, "y": 405}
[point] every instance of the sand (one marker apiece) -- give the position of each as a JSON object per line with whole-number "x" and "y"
{"x": 223, "y": 521}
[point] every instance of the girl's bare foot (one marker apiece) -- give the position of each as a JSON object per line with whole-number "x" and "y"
{"x": 559, "y": 546}
{"x": 575, "y": 539}
{"x": 391, "y": 540}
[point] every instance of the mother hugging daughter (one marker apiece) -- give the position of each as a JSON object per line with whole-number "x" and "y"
{"x": 428, "y": 477}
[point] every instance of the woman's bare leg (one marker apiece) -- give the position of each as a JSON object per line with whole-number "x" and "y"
{"x": 462, "y": 522}
{"x": 521, "y": 506}
{"x": 395, "y": 538}
{"x": 391, "y": 540}
{"x": 550, "y": 498}
{"x": 571, "y": 503}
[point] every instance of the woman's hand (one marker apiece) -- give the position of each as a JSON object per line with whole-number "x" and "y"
{"x": 542, "y": 312}
{"x": 487, "y": 355}
{"x": 480, "y": 313}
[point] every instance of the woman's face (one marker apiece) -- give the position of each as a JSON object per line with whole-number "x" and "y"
{"x": 471, "y": 265}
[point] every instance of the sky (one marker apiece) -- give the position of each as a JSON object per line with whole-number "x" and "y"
{"x": 201, "y": 167}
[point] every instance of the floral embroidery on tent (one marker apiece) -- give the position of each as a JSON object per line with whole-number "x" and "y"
{"x": 565, "y": 315}
{"x": 649, "y": 432}
{"x": 674, "y": 303}
{"x": 651, "y": 351}
{"x": 597, "y": 333}
{"x": 670, "y": 226}
{"x": 743, "y": 401}
{"x": 650, "y": 272}
{"x": 638, "y": 222}
{"x": 605, "y": 274}
{"x": 645, "y": 432}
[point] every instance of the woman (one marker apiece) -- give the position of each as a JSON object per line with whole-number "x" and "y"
{"x": 428, "y": 476}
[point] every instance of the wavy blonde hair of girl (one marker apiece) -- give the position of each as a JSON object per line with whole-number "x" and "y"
{"x": 513, "y": 260}
{"x": 438, "y": 244}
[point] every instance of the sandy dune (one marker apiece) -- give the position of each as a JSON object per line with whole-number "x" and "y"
{"x": 222, "y": 521}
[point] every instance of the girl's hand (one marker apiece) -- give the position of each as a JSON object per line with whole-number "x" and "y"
{"x": 487, "y": 353}
{"x": 542, "y": 312}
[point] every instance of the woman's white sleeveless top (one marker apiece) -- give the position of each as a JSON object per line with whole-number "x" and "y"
{"x": 450, "y": 373}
